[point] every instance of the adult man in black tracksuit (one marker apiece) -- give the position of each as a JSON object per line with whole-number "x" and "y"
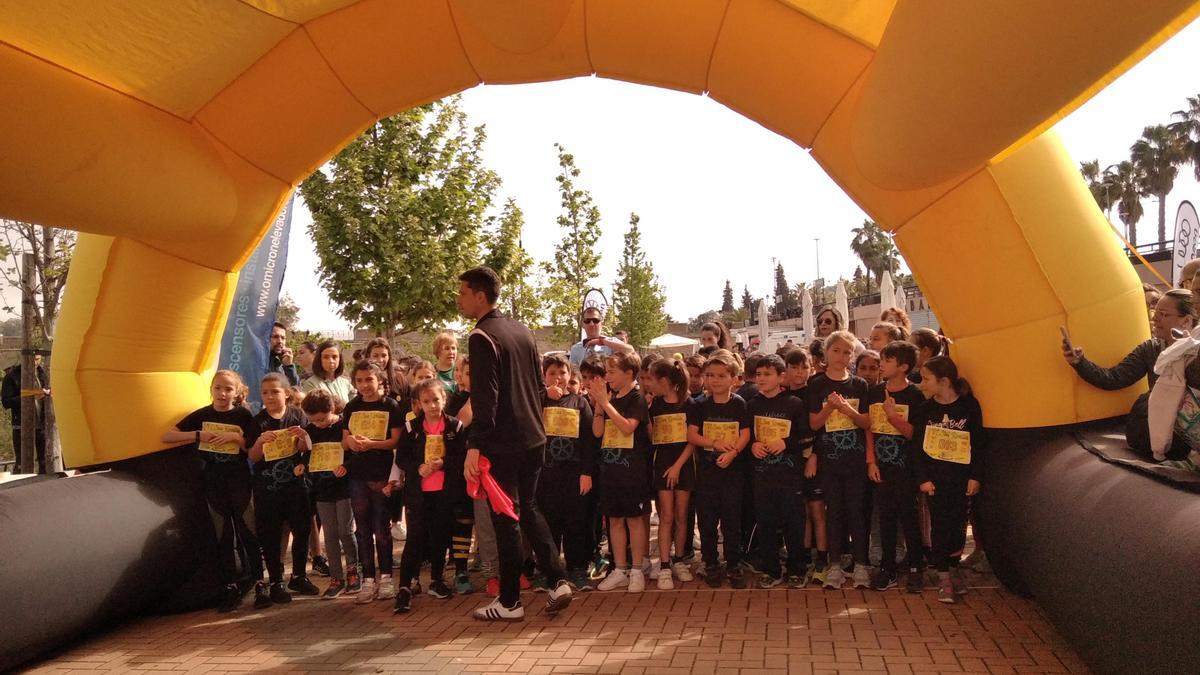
{"x": 506, "y": 399}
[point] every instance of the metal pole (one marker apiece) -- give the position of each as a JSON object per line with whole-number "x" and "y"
{"x": 817, "y": 245}
{"x": 29, "y": 382}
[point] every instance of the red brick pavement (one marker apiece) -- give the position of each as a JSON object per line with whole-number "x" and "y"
{"x": 682, "y": 631}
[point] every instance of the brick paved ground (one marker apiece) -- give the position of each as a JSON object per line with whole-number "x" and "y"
{"x": 692, "y": 629}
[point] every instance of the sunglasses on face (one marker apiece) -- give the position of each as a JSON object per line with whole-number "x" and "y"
{"x": 825, "y": 321}
{"x": 591, "y": 321}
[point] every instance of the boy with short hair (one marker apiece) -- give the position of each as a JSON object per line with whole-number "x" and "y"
{"x": 799, "y": 365}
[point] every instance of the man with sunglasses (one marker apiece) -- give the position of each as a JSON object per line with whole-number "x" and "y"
{"x": 595, "y": 342}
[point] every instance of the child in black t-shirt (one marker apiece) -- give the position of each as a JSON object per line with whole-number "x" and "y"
{"x": 620, "y": 424}
{"x": 948, "y": 430}
{"x": 371, "y": 425}
{"x": 866, "y": 366}
{"x": 280, "y": 494}
{"x": 430, "y": 458}
{"x": 568, "y": 468}
{"x": 718, "y": 428}
{"x": 674, "y": 469}
{"x": 218, "y": 432}
{"x": 779, "y": 433}
{"x": 591, "y": 370}
{"x": 837, "y": 404}
{"x": 331, "y": 491}
{"x": 799, "y": 365}
{"x": 892, "y": 404}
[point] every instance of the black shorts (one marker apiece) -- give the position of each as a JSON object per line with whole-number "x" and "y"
{"x": 664, "y": 457}
{"x": 812, "y": 489}
{"x": 618, "y": 501}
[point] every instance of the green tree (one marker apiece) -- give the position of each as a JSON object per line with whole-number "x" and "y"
{"x": 1186, "y": 128}
{"x": 1126, "y": 187}
{"x": 519, "y": 296}
{"x": 1158, "y": 154}
{"x": 288, "y": 312}
{"x": 727, "y": 298}
{"x": 875, "y": 249}
{"x": 785, "y": 302}
{"x": 696, "y": 322}
{"x": 570, "y": 273}
{"x": 637, "y": 296}
{"x": 397, "y": 216}
{"x": 52, "y": 249}
{"x": 1098, "y": 186}
{"x": 747, "y": 300}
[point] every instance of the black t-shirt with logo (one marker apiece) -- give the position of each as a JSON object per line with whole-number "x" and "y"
{"x": 371, "y": 465}
{"x": 708, "y": 410}
{"x": 277, "y": 474}
{"x": 571, "y": 453}
{"x": 626, "y": 467}
{"x": 326, "y": 486}
{"x": 236, "y": 416}
{"x": 777, "y": 412}
{"x": 839, "y": 450}
{"x": 893, "y": 452}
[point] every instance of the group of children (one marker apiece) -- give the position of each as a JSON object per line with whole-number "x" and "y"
{"x": 779, "y": 449}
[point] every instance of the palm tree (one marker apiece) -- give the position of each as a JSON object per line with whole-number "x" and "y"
{"x": 1097, "y": 185}
{"x": 1125, "y": 184}
{"x": 875, "y": 249}
{"x": 1187, "y": 130}
{"x": 1157, "y": 154}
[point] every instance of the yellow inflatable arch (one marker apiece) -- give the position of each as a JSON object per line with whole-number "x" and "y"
{"x": 170, "y": 132}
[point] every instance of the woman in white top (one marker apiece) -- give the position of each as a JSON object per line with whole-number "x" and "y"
{"x": 327, "y": 373}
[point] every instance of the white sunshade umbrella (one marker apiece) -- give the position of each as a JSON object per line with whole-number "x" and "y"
{"x": 887, "y": 292}
{"x": 841, "y": 303}
{"x": 764, "y": 324}
{"x": 806, "y": 314}
{"x": 901, "y": 298}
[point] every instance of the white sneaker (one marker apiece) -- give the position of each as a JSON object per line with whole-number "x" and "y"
{"x": 682, "y": 571}
{"x": 367, "y": 594}
{"x": 664, "y": 582}
{"x": 637, "y": 581}
{"x": 398, "y": 532}
{"x": 648, "y": 569}
{"x": 495, "y": 611}
{"x": 861, "y": 576}
{"x": 617, "y": 578}
{"x": 560, "y": 597}
{"x": 387, "y": 588}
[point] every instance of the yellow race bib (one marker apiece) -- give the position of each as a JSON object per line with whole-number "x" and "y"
{"x": 325, "y": 457}
{"x": 284, "y": 445}
{"x": 218, "y": 428}
{"x": 722, "y": 432}
{"x": 879, "y": 419}
{"x": 410, "y": 416}
{"x": 435, "y": 447}
{"x": 669, "y": 429}
{"x": 370, "y": 423}
{"x": 563, "y": 422}
{"x": 839, "y": 421}
{"x": 768, "y": 429}
{"x": 614, "y": 438}
{"x": 948, "y": 445}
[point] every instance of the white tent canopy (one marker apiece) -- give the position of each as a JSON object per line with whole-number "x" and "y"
{"x": 670, "y": 340}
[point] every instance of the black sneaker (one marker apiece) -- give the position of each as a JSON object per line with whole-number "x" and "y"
{"x": 737, "y": 577}
{"x": 230, "y": 599}
{"x": 320, "y": 566}
{"x": 883, "y": 580}
{"x": 403, "y": 601}
{"x": 262, "y": 599}
{"x": 302, "y": 586}
{"x": 915, "y": 583}
{"x": 336, "y": 588}
{"x": 279, "y": 594}
{"x": 712, "y": 576}
{"x": 439, "y": 589}
{"x": 353, "y": 580}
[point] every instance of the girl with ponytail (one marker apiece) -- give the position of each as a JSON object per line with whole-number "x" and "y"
{"x": 929, "y": 344}
{"x": 674, "y": 469}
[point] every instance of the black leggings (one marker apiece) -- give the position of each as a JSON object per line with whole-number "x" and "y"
{"x": 559, "y": 500}
{"x": 227, "y": 491}
{"x": 896, "y": 500}
{"x": 271, "y": 511}
{"x": 429, "y": 523}
{"x": 948, "y": 513}
{"x": 718, "y": 497}
{"x": 844, "y": 513}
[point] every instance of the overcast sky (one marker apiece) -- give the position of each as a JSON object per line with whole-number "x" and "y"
{"x": 703, "y": 177}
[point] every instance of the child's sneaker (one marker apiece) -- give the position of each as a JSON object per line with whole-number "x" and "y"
{"x": 650, "y": 571}
{"x": 737, "y": 577}
{"x": 320, "y": 566}
{"x": 598, "y": 567}
{"x": 403, "y": 601}
{"x": 884, "y": 580}
{"x": 637, "y": 581}
{"x": 946, "y": 589}
{"x": 439, "y": 589}
{"x": 862, "y": 576}
{"x": 302, "y": 586}
{"x": 958, "y": 582}
{"x": 915, "y": 583}
{"x": 834, "y": 576}
{"x": 279, "y": 594}
{"x": 492, "y": 587}
{"x": 353, "y": 580}
{"x": 817, "y": 576}
{"x": 560, "y": 597}
{"x": 495, "y": 611}
{"x": 231, "y": 597}
{"x": 794, "y": 581}
{"x": 367, "y": 593}
{"x": 581, "y": 581}
{"x": 664, "y": 580}
{"x": 336, "y": 588}
{"x": 262, "y": 599}
{"x": 712, "y": 576}
{"x": 682, "y": 571}
{"x": 462, "y": 584}
{"x": 617, "y": 578}
{"x": 387, "y": 588}
{"x": 769, "y": 580}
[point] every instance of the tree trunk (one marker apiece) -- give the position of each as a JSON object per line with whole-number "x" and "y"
{"x": 27, "y": 453}
{"x": 1162, "y": 220}
{"x": 1131, "y": 234}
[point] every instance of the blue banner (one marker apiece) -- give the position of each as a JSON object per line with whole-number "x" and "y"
{"x": 246, "y": 344}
